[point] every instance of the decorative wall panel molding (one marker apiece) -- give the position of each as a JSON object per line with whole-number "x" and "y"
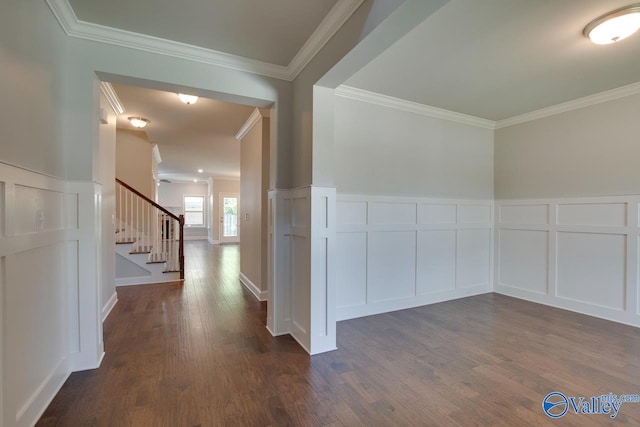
{"x": 401, "y": 252}
{"x": 580, "y": 254}
{"x": 51, "y": 316}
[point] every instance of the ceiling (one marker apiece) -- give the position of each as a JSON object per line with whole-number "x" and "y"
{"x": 190, "y": 137}
{"x": 496, "y": 59}
{"x": 271, "y": 31}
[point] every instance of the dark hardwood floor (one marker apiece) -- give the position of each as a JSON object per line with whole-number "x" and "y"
{"x": 200, "y": 355}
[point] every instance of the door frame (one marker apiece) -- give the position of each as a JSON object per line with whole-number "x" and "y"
{"x": 221, "y": 238}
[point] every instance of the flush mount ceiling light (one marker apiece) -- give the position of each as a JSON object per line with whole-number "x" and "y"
{"x": 200, "y": 170}
{"x": 614, "y": 26}
{"x": 139, "y": 122}
{"x": 188, "y": 99}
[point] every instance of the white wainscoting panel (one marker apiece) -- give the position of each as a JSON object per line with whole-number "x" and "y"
{"x": 301, "y": 284}
{"x": 431, "y": 213}
{"x": 352, "y": 213}
{"x": 473, "y": 259}
{"x": 524, "y": 255}
{"x": 584, "y": 258}
{"x": 596, "y": 214}
{"x": 392, "y": 213}
{"x": 523, "y": 214}
{"x": 50, "y": 322}
{"x": 592, "y": 268}
{"x": 474, "y": 214}
{"x": 351, "y": 261}
{"x": 401, "y": 252}
{"x": 391, "y": 265}
{"x": 436, "y": 269}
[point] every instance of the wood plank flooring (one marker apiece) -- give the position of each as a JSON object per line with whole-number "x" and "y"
{"x": 200, "y": 355}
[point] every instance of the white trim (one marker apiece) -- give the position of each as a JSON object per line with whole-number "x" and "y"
{"x": 598, "y": 98}
{"x": 213, "y": 242}
{"x": 112, "y": 97}
{"x": 106, "y": 310}
{"x": 259, "y": 294}
{"x": 156, "y": 153}
{"x": 330, "y": 25}
{"x": 144, "y": 280}
{"x": 334, "y": 20}
{"x": 203, "y": 237}
{"x": 253, "y": 119}
{"x": 412, "y": 107}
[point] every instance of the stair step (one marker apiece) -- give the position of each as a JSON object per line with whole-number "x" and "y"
{"x": 157, "y": 258}
{"x": 171, "y": 271}
{"x": 124, "y": 242}
{"x": 141, "y": 250}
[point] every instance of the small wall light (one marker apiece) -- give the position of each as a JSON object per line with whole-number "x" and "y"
{"x": 614, "y": 26}
{"x": 139, "y": 122}
{"x": 188, "y": 99}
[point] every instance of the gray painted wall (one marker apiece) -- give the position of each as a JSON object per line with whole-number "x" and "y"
{"x": 593, "y": 151}
{"x": 385, "y": 151}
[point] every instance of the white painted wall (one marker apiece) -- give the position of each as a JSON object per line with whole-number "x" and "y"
{"x": 171, "y": 197}
{"x": 386, "y": 151}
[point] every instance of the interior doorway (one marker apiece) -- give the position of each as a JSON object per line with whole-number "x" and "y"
{"x": 229, "y": 213}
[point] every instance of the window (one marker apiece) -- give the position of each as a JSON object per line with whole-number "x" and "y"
{"x": 194, "y": 210}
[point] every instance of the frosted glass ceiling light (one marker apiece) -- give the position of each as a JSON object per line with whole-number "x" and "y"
{"x": 188, "y": 99}
{"x": 614, "y": 26}
{"x": 139, "y": 122}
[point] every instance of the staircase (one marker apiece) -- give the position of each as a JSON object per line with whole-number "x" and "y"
{"x": 149, "y": 240}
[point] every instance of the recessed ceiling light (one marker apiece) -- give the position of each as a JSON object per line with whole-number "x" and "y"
{"x": 139, "y": 122}
{"x": 200, "y": 170}
{"x": 188, "y": 99}
{"x": 195, "y": 180}
{"x": 614, "y": 26}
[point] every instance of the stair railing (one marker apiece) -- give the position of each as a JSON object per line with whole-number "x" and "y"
{"x": 150, "y": 227}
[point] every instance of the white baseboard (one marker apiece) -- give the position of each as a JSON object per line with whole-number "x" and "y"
{"x": 345, "y": 313}
{"x": 196, "y": 238}
{"x": 260, "y": 295}
{"x": 214, "y": 242}
{"x": 134, "y": 281}
{"x": 106, "y": 310}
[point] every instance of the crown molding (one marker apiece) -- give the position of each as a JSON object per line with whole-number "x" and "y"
{"x": 330, "y": 25}
{"x": 255, "y": 116}
{"x": 74, "y": 27}
{"x": 412, "y": 107}
{"x": 112, "y": 97}
{"x": 598, "y": 98}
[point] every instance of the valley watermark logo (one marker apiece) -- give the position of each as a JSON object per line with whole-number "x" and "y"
{"x": 556, "y": 404}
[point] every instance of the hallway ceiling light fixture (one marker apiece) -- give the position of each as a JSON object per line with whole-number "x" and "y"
{"x": 139, "y": 122}
{"x": 195, "y": 180}
{"x": 188, "y": 99}
{"x": 200, "y": 170}
{"x": 614, "y": 26}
